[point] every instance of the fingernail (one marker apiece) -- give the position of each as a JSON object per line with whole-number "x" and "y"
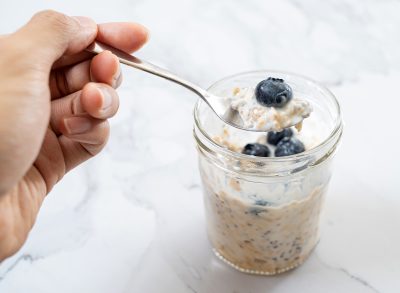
{"x": 77, "y": 125}
{"x": 147, "y": 32}
{"x": 117, "y": 78}
{"x": 107, "y": 98}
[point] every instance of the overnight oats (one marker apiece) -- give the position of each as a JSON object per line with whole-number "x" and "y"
{"x": 263, "y": 192}
{"x": 269, "y": 106}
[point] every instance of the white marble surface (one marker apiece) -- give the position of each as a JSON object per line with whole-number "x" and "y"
{"x": 132, "y": 219}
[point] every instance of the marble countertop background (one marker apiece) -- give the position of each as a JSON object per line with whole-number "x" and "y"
{"x": 132, "y": 219}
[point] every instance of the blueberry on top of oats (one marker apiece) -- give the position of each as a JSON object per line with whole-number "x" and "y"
{"x": 274, "y": 137}
{"x": 256, "y": 149}
{"x": 289, "y": 146}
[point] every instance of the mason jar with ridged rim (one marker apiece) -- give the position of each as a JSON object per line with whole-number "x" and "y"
{"x": 263, "y": 213}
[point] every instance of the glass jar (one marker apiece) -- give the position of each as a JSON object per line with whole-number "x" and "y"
{"x": 263, "y": 212}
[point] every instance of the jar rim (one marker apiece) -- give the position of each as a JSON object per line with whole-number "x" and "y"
{"x": 335, "y": 133}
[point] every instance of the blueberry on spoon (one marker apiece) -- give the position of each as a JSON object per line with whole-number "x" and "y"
{"x": 273, "y": 92}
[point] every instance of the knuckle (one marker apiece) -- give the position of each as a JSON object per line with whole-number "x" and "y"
{"x": 53, "y": 17}
{"x": 99, "y": 140}
{"x": 103, "y": 133}
{"x": 99, "y": 134}
{"x": 56, "y": 19}
{"x": 105, "y": 129}
{"x": 116, "y": 105}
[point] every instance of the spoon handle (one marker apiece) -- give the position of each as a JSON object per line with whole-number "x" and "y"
{"x": 98, "y": 47}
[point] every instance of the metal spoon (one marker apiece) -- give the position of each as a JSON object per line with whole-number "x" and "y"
{"x": 220, "y": 105}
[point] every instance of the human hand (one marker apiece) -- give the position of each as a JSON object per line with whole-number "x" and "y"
{"x": 55, "y": 100}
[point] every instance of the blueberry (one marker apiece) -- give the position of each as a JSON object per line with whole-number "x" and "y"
{"x": 275, "y": 137}
{"x": 273, "y": 92}
{"x": 257, "y": 211}
{"x": 256, "y": 149}
{"x": 289, "y": 146}
{"x": 262, "y": 202}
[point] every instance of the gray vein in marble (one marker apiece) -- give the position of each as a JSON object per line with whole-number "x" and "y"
{"x": 130, "y": 194}
{"x": 354, "y": 21}
{"x": 91, "y": 189}
{"x": 193, "y": 186}
{"x": 192, "y": 271}
{"x": 195, "y": 274}
{"x": 143, "y": 257}
{"x": 190, "y": 288}
{"x": 24, "y": 257}
{"x": 357, "y": 279}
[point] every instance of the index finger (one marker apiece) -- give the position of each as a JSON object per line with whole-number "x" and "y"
{"x": 126, "y": 36}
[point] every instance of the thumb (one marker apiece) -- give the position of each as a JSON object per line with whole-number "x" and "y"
{"x": 50, "y": 34}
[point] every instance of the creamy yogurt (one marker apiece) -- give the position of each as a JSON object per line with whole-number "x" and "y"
{"x": 258, "y": 117}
